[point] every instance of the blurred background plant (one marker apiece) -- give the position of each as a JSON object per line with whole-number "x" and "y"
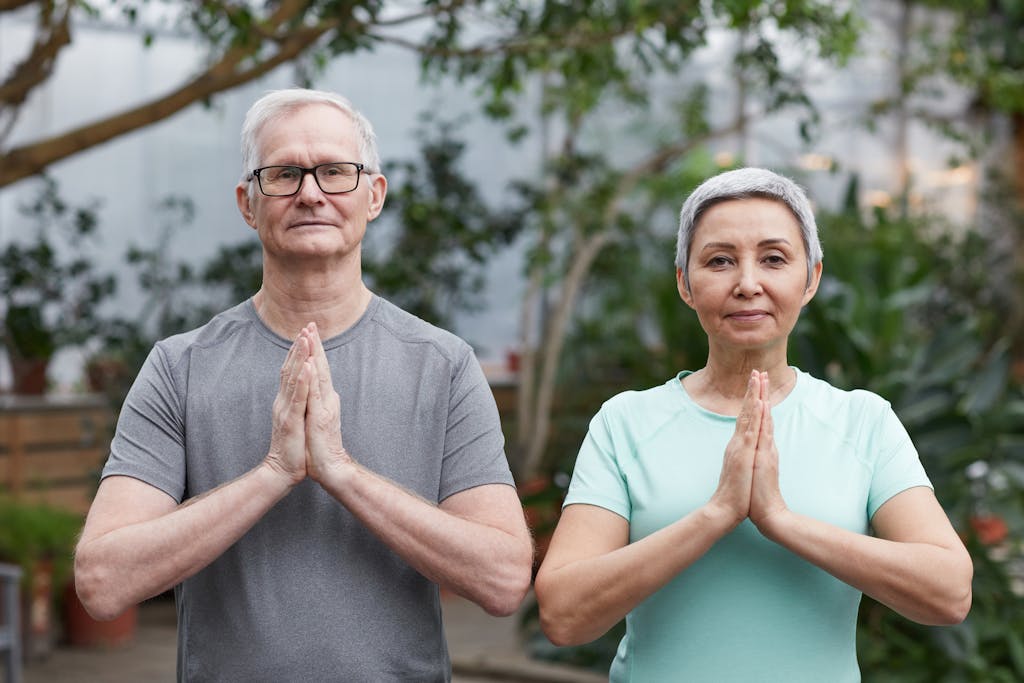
{"x": 50, "y": 290}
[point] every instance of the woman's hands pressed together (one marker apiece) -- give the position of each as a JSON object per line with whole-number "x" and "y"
{"x": 749, "y": 484}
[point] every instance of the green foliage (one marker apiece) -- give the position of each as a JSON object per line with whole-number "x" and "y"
{"x": 50, "y": 291}
{"x": 30, "y": 532}
{"x": 432, "y": 260}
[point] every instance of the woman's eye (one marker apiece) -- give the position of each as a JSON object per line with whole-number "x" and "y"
{"x": 718, "y": 261}
{"x": 775, "y": 259}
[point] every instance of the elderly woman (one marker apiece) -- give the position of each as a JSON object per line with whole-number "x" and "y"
{"x": 735, "y": 514}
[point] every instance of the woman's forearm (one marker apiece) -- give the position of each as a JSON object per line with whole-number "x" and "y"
{"x": 926, "y": 582}
{"x": 581, "y": 599}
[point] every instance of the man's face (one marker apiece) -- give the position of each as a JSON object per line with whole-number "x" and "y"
{"x": 310, "y": 223}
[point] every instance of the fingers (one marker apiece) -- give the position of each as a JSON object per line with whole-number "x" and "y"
{"x": 297, "y": 354}
{"x": 319, "y": 357}
{"x": 748, "y": 422}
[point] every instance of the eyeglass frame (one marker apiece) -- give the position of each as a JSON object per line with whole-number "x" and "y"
{"x": 360, "y": 169}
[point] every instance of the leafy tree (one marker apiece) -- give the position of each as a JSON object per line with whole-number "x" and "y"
{"x": 501, "y": 43}
{"x": 431, "y": 261}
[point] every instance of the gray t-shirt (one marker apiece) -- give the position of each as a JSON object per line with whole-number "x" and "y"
{"x": 308, "y": 594}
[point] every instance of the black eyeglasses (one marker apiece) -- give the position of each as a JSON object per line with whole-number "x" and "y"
{"x": 336, "y": 177}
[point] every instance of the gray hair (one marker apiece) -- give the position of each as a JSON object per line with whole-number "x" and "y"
{"x": 277, "y": 103}
{"x": 746, "y": 183}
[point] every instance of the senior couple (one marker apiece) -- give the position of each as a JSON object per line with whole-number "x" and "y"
{"x": 306, "y": 469}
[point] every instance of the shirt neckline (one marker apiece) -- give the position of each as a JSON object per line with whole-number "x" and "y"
{"x": 337, "y": 340}
{"x": 784, "y": 407}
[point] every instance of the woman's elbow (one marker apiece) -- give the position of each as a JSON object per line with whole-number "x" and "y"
{"x": 951, "y": 607}
{"x": 956, "y": 609}
{"x": 557, "y": 620}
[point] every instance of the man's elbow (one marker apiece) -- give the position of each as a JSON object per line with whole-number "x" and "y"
{"x": 507, "y": 595}
{"x": 93, "y": 585}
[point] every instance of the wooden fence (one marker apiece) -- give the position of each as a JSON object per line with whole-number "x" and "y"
{"x": 52, "y": 448}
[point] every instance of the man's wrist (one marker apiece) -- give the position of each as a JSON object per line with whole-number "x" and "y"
{"x": 277, "y": 474}
{"x": 337, "y": 473}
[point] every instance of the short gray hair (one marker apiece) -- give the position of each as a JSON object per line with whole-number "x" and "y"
{"x": 747, "y": 183}
{"x": 277, "y": 103}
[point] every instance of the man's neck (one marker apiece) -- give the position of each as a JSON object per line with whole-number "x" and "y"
{"x": 288, "y": 302}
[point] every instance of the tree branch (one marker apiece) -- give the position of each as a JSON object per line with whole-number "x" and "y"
{"x": 53, "y": 34}
{"x": 27, "y": 160}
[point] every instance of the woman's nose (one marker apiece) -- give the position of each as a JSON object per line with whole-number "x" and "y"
{"x": 748, "y": 283}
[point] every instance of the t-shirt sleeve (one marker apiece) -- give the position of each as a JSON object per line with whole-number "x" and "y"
{"x": 474, "y": 446}
{"x": 897, "y": 466}
{"x": 149, "y": 443}
{"x": 597, "y": 478}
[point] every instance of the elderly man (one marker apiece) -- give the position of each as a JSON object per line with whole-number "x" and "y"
{"x": 307, "y": 468}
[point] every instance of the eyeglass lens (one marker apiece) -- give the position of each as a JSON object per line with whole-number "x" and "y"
{"x": 286, "y": 180}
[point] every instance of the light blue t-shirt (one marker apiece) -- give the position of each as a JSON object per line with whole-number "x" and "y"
{"x": 748, "y": 610}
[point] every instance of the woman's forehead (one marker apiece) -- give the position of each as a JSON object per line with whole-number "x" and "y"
{"x": 747, "y": 218}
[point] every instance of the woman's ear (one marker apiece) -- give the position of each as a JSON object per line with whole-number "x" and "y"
{"x": 812, "y": 286}
{"x": 684, "y": 291}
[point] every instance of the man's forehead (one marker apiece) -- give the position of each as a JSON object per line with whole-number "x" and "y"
{"x": 309, "y": 128}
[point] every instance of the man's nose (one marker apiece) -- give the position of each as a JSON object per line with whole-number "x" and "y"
{"x": 309, "y": 190}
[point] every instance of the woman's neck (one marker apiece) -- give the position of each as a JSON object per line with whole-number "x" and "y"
{"x": 721, "y": 384}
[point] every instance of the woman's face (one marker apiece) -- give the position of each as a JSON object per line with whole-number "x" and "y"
{"x": 748, "y": 273}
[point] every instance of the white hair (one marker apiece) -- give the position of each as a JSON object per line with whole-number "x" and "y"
{"x": 746, "y": 183}
{"x": 277, "y": 103}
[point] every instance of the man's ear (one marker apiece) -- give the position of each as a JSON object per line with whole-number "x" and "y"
{"x": 378, "y": 191}
{"x": 244, "y": 204}
{"x": 684, "y": 291}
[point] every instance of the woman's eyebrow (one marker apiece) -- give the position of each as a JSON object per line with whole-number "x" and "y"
{"x": 729, "y": 245}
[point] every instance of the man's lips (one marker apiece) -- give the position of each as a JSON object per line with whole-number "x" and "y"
{"x": 310, "y": 223}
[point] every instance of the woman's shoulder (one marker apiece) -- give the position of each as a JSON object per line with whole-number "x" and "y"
{"x": 637, "y": 410}
{"x": 823, "y": 397}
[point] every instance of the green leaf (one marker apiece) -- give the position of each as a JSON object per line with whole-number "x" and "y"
{"x": 988, "y": 385}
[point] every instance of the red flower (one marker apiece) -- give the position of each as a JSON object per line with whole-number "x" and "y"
{"x": 991, "y": 529}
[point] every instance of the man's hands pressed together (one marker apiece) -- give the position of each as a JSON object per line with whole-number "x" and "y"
{"x": 306, "y": 438}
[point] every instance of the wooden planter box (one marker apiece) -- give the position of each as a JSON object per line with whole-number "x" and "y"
{"x": 53, "y": 448}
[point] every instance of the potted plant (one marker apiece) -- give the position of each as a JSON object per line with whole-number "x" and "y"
{"x": 49, "y": 295}
{"x": 40, "y": 539}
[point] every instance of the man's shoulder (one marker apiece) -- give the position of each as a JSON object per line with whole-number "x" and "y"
{"x": 410, "y": 329}
{"x": 215, "y": 331}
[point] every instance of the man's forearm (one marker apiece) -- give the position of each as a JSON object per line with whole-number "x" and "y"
{"x": 122, "y": 561}
{"x": 488, "y": 563}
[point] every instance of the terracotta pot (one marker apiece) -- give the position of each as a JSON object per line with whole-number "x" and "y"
{"x": 30, "y": 375}
{"x": 84, "y": 631}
